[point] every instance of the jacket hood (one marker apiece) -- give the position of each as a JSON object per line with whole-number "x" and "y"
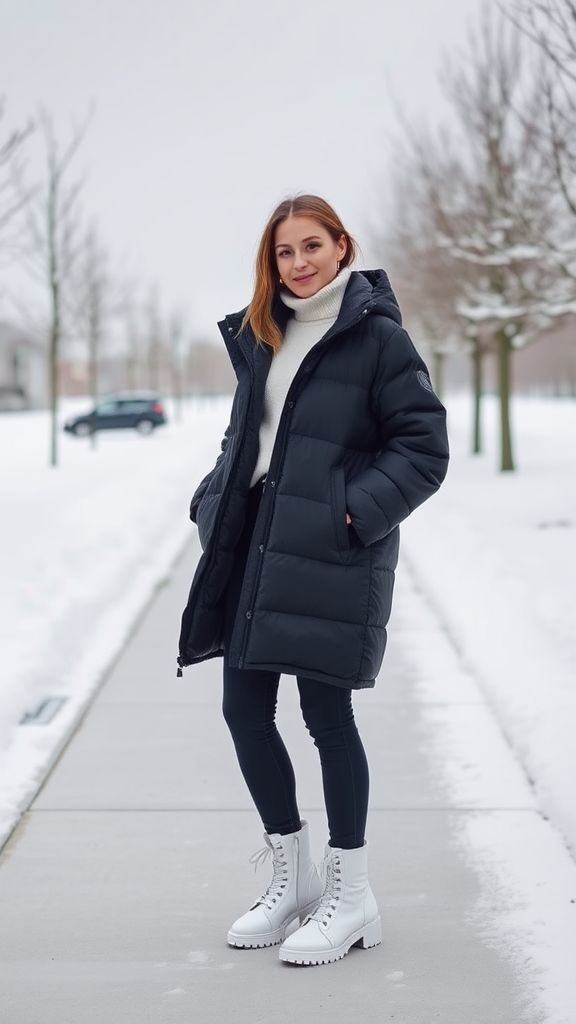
{"x": 382, "y": 297}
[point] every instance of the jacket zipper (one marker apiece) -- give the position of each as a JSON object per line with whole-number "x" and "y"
{"x": 291, "y": 391}
{"x": 180, "y": 660}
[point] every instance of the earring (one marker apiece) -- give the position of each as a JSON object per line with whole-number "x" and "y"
{"x": 281, "y": 281}
{"x": 337, "y": 266}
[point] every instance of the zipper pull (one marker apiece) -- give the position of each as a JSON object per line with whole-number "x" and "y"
{"x": 179, "y": 672}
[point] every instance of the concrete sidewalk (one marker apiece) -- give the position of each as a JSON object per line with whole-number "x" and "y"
{"x": 119, "y": 884}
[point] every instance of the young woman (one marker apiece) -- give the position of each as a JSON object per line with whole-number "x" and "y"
{"x": 335, "y": 436}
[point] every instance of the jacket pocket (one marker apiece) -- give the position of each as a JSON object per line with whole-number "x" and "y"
{"x": 205, "y": 517}
{"x": 338, "y": 492}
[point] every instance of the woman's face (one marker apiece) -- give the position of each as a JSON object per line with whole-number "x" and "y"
{"x": 304, "y": 249}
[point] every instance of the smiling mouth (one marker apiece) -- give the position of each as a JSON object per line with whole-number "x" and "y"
{"x": 305, "y": 278}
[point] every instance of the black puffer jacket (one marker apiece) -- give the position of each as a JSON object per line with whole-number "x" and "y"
{"x": 361, "y": 431}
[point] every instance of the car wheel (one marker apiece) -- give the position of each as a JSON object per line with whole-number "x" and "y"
{"x": 82, "y": 429}
{"x": 145, "y": 426}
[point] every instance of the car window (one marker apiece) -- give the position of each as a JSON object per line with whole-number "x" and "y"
{"x": 134, "y": 405}
{"x": 105, "y": 408}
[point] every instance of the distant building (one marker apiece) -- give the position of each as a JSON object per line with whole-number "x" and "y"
{"x": 23, "y": 370}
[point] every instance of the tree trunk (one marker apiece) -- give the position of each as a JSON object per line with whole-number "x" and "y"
{"x": 54, "y": 367}
{"x": 55, "y": 327}
{"x": 438, "y": 373}
{"x": 93, "y": 337}
{"x": 504, "y": 361}
{"x": 176, "y": 371}
{"x": 477, "y": 390}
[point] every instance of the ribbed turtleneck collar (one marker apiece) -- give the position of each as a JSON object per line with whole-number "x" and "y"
{"x": 324, "y": 304}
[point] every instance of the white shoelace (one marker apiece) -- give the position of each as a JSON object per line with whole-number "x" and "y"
{"x": 329, "y": 899}
{"x": 279, "y": 876}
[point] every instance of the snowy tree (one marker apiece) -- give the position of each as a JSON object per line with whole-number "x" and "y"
{"x": 429, "y": 281}
{"x": 551, "y": 25}
{"x": 424, "y": 281}
{"x": 493, "y": 201}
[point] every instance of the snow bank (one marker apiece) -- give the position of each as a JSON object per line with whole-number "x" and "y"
{"x": 496, "y": 553}
{"x": 82, "y": 547}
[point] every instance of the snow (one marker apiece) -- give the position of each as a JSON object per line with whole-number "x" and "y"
{"x": 82, "y": 547}
{"x": 502, "y": 257}
{"x": 523, "y": 906}
{"x": 495, "y": 552}
{"x": 494, "y": 307}
{"x": 524, "y": 910}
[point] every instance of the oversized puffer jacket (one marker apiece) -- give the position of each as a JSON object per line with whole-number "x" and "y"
{"x": 362, "y": 432}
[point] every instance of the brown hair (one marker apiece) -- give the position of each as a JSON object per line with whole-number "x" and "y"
{"x": 259, "y": 311}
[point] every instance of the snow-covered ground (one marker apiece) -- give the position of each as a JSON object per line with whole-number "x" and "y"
{"x": 83, "y": 546}
{"x": 496, "y": 553}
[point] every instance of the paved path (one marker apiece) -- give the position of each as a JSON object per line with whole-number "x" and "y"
{"x": 119, "y": 884}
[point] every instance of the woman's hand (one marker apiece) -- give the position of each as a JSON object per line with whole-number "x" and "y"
{"x": 348, "y": 518}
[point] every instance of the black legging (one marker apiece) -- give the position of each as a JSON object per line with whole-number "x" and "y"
{"x": 249, "y": 708}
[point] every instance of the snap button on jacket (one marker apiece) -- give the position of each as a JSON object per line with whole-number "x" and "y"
{"x": 362, "y": 432}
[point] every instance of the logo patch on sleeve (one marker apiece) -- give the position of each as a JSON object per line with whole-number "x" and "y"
{"x": 424, "y": 380}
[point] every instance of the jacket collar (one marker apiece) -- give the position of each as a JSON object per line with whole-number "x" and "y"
{"x": 366, "y": 289}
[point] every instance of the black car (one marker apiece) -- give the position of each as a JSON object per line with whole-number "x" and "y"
{"x": 138, "y": 410}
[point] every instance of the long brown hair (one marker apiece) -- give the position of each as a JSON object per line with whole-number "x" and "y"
{"x": 259, "y": 311}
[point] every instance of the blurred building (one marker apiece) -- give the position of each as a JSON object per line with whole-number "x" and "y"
{"x": 23, "y": 370}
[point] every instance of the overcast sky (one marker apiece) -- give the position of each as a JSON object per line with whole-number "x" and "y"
{"x": 206, "y": 115}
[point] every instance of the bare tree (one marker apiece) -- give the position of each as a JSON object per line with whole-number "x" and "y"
{"x": 175, "y": 337}
{"x": 11, "y": 202}
{"x": 155, "y": 339}
{"x": 128, "y": 315}
{"x": 423, "y": 274}
{"x": 97, "y": 298}
{"x": 551, "y": 25}
{"x": 426, "y": 189}
{"x": 52, "y": 246}
{"x": 492, "y": 198}
{"x": 508, "y": 232}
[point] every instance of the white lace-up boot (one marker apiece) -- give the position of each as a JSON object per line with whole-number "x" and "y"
{"x": 294, "y": 891}
{"x": 346, "y": 915}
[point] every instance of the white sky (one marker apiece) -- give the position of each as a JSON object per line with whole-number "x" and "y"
{"x": 207, "y": 115}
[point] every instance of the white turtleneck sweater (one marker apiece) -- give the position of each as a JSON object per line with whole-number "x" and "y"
{"x": 313, "y": 316}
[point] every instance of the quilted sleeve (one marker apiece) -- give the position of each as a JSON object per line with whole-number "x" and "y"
{"x": 413, "y": 460}
{"x": 203, "y": 485}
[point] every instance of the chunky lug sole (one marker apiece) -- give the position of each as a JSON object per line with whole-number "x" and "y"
{"x": 272, "y": 938}
{"x": 366, "y": 937}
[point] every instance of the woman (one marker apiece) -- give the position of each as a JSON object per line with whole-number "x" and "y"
{"x": 335, "y": 436}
